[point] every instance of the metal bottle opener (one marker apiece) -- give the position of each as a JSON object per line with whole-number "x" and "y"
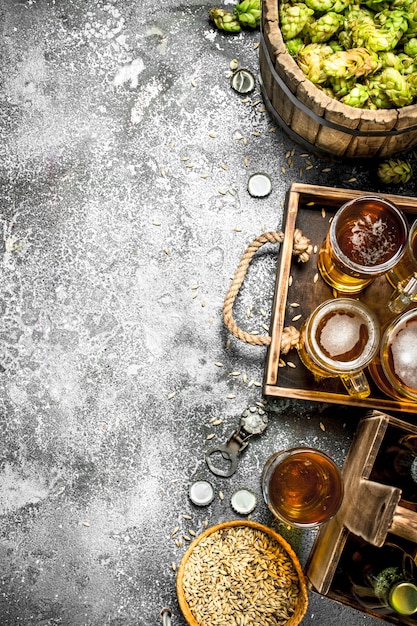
{"x": 253, "y": 421}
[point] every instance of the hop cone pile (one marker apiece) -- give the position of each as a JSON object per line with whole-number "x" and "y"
{"x": 361, "y": 52}
{"x": 395, "y": 171}
{"x": 246, "y": 14}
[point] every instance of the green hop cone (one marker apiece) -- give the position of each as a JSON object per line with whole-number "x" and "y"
{"x": 377, "y": 92}
{"x": 390, "y": 59}
{"x": 410, "y": 47}
{"x": 293, "y": 46}
{"x": 325, "y": 27}
{"x": 396, "y": 87}
{"x": 335, "y": 45}
{"x": 403, "y": 4}
{"x": 351, "y": 63}
{"x": 376, "y": 5}
{"x": 412, "y": 83}
{"x": 224, "y": 20}
{"x": 320, "y": 6}
{"x": 310, "y": 60}
{"x": 358, "y": 22}
{"x": 395, "y": 171}
{"x": 341, "y": 86}
{"x": 293, "y": 18}
{"x": 357, "y": 97}
{"x": 340, "y": 5}
{"x": 407, "y": 64}
{"x": 345, "y": 40}
{"x": 394, "y": 24}
{"x": 248, "y": 13}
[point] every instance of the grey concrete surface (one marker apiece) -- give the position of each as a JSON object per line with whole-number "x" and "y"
{"x": 122, "y": 223}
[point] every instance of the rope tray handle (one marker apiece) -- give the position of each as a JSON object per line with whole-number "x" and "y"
{"x": 302, "y": 248}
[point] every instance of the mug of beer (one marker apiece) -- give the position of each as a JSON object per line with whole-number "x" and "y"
{"x": 339, "y": 339}
{"x": 394, "y": 369}
{"x": 302, "y": 486}
{"x": 403, "y": 276}
{"x": 366, "y": 238}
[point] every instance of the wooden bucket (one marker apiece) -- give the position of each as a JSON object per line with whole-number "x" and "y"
{"x": 314, "y": 120}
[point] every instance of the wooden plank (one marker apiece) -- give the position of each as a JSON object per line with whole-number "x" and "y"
{"x": 280, "y": 101}
{"x": 325, "y": 554}
{"x": 404, "y": 524}
{"x": 302, "y": 123}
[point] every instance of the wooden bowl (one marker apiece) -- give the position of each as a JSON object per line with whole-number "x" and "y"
{"x": 302, "y": 600}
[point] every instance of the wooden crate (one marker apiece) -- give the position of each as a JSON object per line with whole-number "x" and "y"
{"x": 310, "y": 207}
{"x": 316, "y": 121}
{"x": 371, "y": 511}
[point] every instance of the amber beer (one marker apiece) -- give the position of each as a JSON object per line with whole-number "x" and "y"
{"x": 394, "y": 370}
{"x": 366, "y": 238}
{"x": 339, "y": 339}
{"x": 302, "y": 486}
{"x": 407, "y": 265}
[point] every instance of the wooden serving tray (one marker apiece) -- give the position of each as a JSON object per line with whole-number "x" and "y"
{"x": 310, "y": 207}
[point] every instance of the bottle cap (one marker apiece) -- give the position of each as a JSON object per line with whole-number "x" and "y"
{"x": 403, "y": 598}
{"x": 243, "y": 501}
{"x": 201, "y": 492}
{"x": 243, "y": 81}
{"x": 259, "y": 185}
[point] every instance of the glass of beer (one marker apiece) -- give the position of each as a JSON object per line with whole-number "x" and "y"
{"x": 394, "y": 369}
{"x": 339, "y": 339}
{"x": 302, "y": 486}
{"x": 366, "y": 238}
{"x": 403, "y": 276}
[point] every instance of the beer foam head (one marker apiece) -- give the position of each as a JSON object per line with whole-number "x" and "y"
{"x": 404, "y": 355}
{"x": 372, "y": 241}
{"x": 342, "y": 336}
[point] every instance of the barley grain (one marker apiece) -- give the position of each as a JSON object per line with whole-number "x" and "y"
{"x": 240, "y": 576}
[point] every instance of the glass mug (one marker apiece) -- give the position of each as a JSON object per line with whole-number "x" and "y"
{"x": 403, "y": 276}
{"x": 366, "y": 238}
{"x": 302, "y": 486}
{"x": 339, "y": 339}
{"x": 394, "y": 370}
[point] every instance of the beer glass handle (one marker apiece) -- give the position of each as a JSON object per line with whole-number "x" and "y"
{"x": 403, "y": 295}
{"x": 356, "y": 384}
